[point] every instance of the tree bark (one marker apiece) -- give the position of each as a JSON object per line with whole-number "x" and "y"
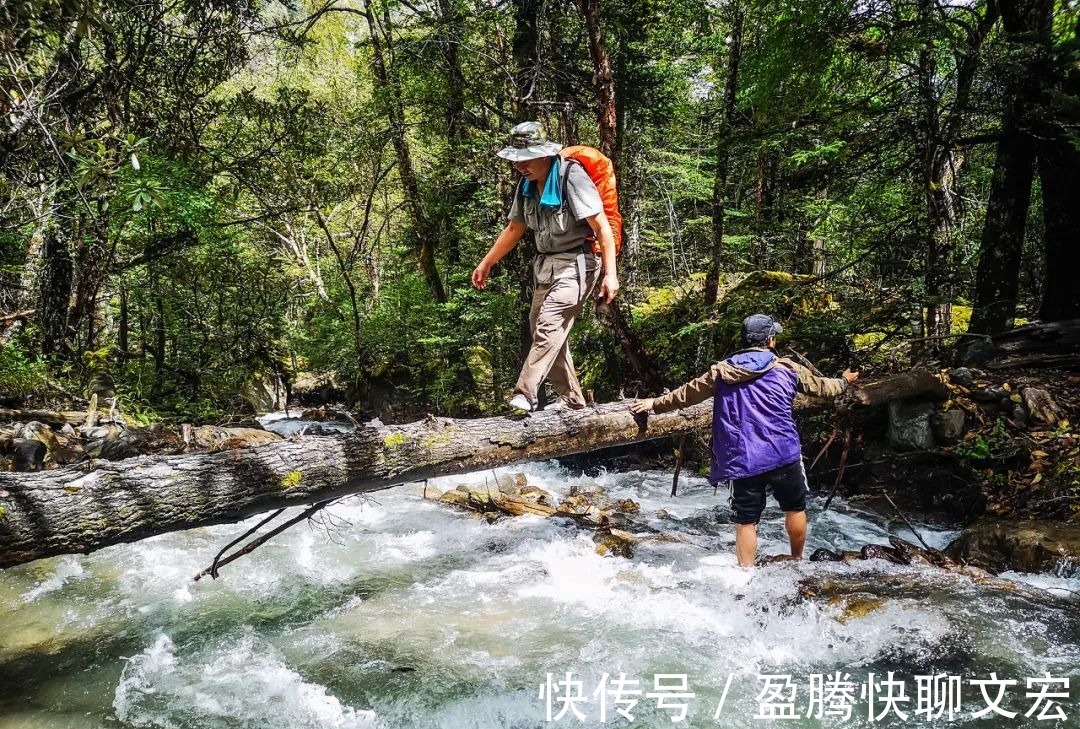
{"x": 54, "y": 293}
{"x": 997, "y": 278}
{"x": 460, "y": 185}
{"x": 1059, "y": 173}
{"x": 940, "y": 161}
{"x": 424, "y": 232}
{"x": 72, "y": 510}
{"x": 606, "y": 117}
{"x": 731, "y": 88}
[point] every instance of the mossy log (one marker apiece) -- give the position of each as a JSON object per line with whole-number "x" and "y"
{"x": 82, "y": 508}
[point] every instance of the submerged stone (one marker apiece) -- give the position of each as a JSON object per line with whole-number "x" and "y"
{"x": 1022, "y": 546}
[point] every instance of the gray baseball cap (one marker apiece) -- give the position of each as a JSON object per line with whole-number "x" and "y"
{"x": 757, "y": 328}
{"x": 528, "y": 141}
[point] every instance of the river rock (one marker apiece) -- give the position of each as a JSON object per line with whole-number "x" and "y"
{"x": 855, "y": 605}
{"x": 949, "y": 426}
{"x": 60, "y": 450}
{"x": 1023, "y": 546}
{"x": 511, "y": 483}
{"x": 264, "y": 394}
{"x": 614, "y": 542}
{"x": 962, "y": 376}
{"x": 989, "y": 394}
{"x": 21, "y": 454}
{"x": 909, "y": 425}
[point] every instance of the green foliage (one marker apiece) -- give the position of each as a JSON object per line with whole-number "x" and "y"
{"x": 983, "y": 446}
{"x": 235, "y": 201}
{"x": 20, "y": 374}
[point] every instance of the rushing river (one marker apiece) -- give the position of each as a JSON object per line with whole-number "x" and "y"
{"x": 400, "y": 612}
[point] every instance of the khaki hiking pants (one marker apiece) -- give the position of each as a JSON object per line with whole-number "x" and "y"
{"x": 559, "y": 296}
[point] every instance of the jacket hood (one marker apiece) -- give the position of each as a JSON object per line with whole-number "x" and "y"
{"x": 746, "y": 365}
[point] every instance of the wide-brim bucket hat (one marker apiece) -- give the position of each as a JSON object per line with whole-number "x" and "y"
{"x": 528, "y": 141}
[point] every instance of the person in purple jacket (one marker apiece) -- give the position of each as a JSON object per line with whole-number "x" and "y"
{"x": 755, "y": 444}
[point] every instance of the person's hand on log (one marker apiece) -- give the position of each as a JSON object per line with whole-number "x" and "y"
{"x": 644, "y": 405}
{"x": 849, "y": 375}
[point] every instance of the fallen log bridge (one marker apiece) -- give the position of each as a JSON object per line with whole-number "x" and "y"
{"x": 83, "y": 508}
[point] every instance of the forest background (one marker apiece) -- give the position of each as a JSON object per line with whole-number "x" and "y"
{"x": 200, "y": 198}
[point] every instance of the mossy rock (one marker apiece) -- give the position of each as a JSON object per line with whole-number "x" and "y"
{"x": 855, "y": 606}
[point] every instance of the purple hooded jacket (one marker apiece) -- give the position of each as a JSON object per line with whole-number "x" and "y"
{"x": 753, "y": 420}
{"x": 753, "y": 423}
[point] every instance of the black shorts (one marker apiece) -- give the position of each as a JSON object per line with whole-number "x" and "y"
{"x": 787, "y": 484}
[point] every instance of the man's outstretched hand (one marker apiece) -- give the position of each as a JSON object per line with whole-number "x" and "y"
{"x": 849, "y": 375}
{"x": 642, "y": 406}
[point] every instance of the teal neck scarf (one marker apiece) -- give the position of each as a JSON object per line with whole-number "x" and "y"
{"x": 551, "y": 197}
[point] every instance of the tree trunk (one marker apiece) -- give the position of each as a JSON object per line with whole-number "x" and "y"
{"x": 460, "y": 184}
{"x": 610, "y": 315}
{"x": 942, "y": 161}
{"x": 71, "y": 511}
{"x": 997, "y": 278}
{"x": 54, "y": 293}
{"x": 123, "y": 327}
{"x": 606, "y": 117}
{"x": 1059, "y": 172}
{"x": 424, "y": 233}
{"x": 525, "y": 50}
{"x": 731, "y": 88}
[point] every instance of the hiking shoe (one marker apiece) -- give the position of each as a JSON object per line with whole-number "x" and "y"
{"x": 521, "y": 402}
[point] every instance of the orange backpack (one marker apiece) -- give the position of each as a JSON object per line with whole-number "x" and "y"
{"x": 602, "y": 173}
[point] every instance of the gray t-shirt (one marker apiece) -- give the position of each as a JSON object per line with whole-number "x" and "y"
{"x": 562, "y": 229}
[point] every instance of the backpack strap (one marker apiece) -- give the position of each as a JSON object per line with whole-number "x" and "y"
{"x": 587, "y": 246}
{"x": 564, "y": 175}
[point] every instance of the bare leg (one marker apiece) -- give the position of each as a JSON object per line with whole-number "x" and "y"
{"x": 795, "y": 523}
{"x": 746, "y": 544}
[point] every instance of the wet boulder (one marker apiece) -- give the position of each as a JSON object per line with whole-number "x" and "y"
{"x": 909, "y": 425}
{"x": 962, "y": 376}
{"x": 60, "y": 450}
{"x": 511, "y": 483}
{"x": 855, "y": 605}
{"x": 614, "y": 543}
{"x": 823, "y": 554}
{"x": 21, "y": 454}
{"x": 1022, "y": 546}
